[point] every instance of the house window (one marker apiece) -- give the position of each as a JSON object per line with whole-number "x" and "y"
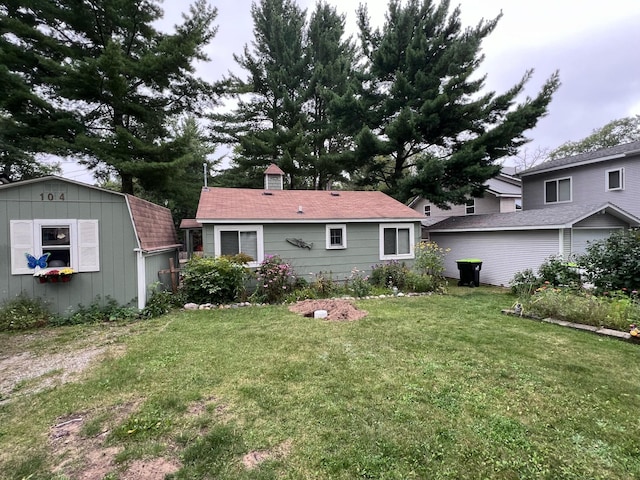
{"x": 69, "y": 243}
{"x": 427, "y": 210}
{"x": 235, "y": 239}
{"x": 470, "y": 207}
{"x": 336, "y": 237}
{"x": 615, "y": 179}
{"x": 396, "y": 241}
{"x": 557, "y": 191}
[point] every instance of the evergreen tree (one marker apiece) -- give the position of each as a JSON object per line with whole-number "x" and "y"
{"x": 425, "y": 127}
{"x": 331, "y": 60}
{"x": 269, "y": 123}
{"x": 107, "y": 67}
{"x": 29, "y": 122}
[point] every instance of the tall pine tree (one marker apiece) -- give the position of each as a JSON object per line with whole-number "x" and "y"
{"x": 269, "y": 123}
{"x": 120, "y": 79}
{"x": 425, "y": 126}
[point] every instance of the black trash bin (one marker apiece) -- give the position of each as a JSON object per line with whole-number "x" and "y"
{"x": 469, "y": 271}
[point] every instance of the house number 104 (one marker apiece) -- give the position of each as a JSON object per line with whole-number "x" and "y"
{"x": 52, "y": 196}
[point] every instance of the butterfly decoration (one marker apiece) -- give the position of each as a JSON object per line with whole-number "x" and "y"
{"x": 34, "y": 262}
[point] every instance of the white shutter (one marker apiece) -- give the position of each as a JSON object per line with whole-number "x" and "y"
{"x": 88, "y": 246}
{"x": 21, "y": 243}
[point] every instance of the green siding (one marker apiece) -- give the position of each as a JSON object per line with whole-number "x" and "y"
{"x": 153, "y": 264}
{"x": 117, "y": 275}
{"x": 363, "y": 248}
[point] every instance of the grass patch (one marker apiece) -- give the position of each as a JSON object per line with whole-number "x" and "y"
{"x": 425, "y": 387}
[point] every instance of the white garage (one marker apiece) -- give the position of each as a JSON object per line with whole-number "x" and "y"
{"x": 511, "y": 242}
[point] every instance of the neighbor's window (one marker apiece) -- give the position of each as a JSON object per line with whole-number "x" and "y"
{"x": 234, "y": 239}
{"x": 336, "y": 237}
{"x": 427, "y": 210}
{"x": 396, "y": 241}
{"x": 557, "y": 191}
{"x": 615, "y": 179}
{"x": 470, "y": 207}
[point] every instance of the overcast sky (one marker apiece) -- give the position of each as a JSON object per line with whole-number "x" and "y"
{"x": 594, "y": 45}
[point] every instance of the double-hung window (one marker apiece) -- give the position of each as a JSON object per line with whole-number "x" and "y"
{"x": 235, "y": 239}
{"x": 427, "y": 210}
{"x": 68, "y": 243}
{"x": 396, "y": 241}
{"x": 470, "y": 207}
{"x": 615, "y": 179}
{"x": 336, "y": 237}
{"x": 557, "y": 191}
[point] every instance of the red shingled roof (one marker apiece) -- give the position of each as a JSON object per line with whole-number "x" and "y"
{"x": 273, "y": 169}
{"x": 153, "y": 223}
{"x": 243, "y": 204}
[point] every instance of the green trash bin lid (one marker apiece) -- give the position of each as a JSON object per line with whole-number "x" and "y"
{"x": 469, "y": 260}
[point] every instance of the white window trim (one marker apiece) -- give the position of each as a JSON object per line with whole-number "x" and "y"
{"x": 606, "y": 179}
{"x": 240, "y": 228}
{"x": 77, "y": 242}
{"x": 336, "y": 226}
{"x": 557, "y": 181}
{"x": 470, "y": 204}
{"x": 427, "y": 210}
{"x": 403, "y": 256}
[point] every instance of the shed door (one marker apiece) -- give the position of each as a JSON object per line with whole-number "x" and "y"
{"x": 582, "y": 236}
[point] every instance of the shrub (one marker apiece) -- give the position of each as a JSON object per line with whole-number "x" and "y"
{"x": 525, "y": 283}
{"x": 613, "y": 263}
{"x": 23, "y": 312}
{"x": 421, "y": 283}
{"x": 275, "y": 280}
{"x": 161, "y": 302}
{"x": 213, "y": 280}
{"x": 558, "y": 271}
{"x": 324, "y": 285}
{"x": 390, "y": 274}
{"x": 98, "y": 311}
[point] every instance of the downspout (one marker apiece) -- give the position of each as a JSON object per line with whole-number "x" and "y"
{"x": 141, "y": 274}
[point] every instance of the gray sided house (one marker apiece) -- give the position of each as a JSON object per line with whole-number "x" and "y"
{"x": 115, "y": 244}
{"x": 503, "y": 194}
{"x": 316, "y": 231}
{"x": 609, "y": 175}
{"x": 511, "y": 242}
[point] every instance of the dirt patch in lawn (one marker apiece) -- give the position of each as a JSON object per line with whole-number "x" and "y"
{"x": 253, "y": 459}
{"x": 337, "y": 310}
{"x": 85, "y": 457}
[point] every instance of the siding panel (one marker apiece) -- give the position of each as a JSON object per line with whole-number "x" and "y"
{"x": 502, "y": 253}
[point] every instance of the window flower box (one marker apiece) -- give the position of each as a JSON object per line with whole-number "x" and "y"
{"x": 54, "y": 275}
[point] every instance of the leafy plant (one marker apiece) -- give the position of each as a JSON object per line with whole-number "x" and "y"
{"x": 213, "y": 280}
{"x": 23, "y": 312}
{"x": 324, "y": 285}
{"x": 161, "y": 302}
{"x": 417, "y": 282}
{"x": 275, "y": 279}
{"x": 613, "y": 263}
{"x": 557, "y": 271}
{"x": 99, "y": 310}
{"x": 389, "y": 274}
{"x": 358, "y": 283}
{"x": 430, "y": 259}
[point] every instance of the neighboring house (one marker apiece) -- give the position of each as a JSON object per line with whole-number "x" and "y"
{"x": 316, "y": 231}
{"x": 566, "y": 203}
{"x": 503, "y": 195}
{"x": 609, "y": 175}
{"x": 511, "y": 242}
{"x": 115, "y": 243}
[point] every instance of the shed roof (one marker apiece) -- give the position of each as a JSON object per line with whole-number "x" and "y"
{"x": 153, "y": 223}
{"x": 538, "y": 219}
{"x": 611, "y": 153}
{"x": 273, "y": 169}
{"x": 227, "y": 205}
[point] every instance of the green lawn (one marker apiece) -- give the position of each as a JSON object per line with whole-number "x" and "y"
{"x": 426, "y": 387}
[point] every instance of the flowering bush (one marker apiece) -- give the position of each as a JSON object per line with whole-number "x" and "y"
{"x": 275, "y": 279}
{"x": 430, "y": 259}
{"x": 358, "y": 283}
